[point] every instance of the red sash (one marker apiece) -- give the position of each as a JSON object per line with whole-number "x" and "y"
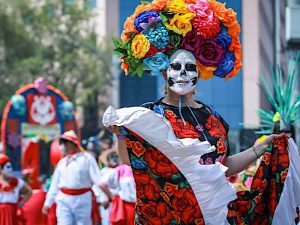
{"x": 81, "y": 191}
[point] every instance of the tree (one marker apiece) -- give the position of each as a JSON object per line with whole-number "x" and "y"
{"x": 55, "y": 39}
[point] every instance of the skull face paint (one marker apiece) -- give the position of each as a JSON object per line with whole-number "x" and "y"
{"x": 182, "y": 73}
{"x": 7, "y": 169}
{"x": 113, "y": 159}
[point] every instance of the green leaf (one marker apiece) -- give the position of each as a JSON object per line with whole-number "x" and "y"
{"x": 140, "y": 69}
{"x": 117, "y": 42}
{"x": 164, "y": 19}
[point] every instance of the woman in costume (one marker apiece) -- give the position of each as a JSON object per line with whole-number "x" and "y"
{"x": 178, "y": 147}
{"x": 11, "y": 191}
{"x": 118, "y": 184}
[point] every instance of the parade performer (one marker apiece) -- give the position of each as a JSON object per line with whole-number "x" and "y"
{"x": 119, "y": 186}
{"x": 178, "y": 147}
{"x": 71, "y": 183}
{"x": 14, "y": 193}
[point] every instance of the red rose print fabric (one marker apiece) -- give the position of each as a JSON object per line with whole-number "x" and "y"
{"x": 164, "y": 195}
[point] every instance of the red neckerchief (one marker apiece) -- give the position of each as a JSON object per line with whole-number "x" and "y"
{"x": 11, "y": 185}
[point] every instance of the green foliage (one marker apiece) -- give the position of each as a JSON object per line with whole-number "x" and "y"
{"x": 282, "y": 95}
{"x": 54, "y": 39}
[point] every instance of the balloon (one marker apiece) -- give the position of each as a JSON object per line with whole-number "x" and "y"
{"x": 66, "y": 110}
{"x": 19, "y": 104}
{"x": 55, "y": 153}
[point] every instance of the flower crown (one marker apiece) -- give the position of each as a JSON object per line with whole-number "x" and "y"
{"x": 204, "y": 27}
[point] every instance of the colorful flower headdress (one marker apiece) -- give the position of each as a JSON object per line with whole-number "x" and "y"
{"x": 157, "y": 29}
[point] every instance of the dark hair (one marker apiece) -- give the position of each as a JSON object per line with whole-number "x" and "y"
{"x": 291, "y": 130}
{"x": 64, "y": 141}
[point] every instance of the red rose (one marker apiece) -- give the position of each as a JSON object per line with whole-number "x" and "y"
{"x": 283, "y": 175}
{"x": 186, "y": 206}
{"x": 243, "y": 206}
{"x": 266, "y": 158}
{"x": 170, "y": 188}
{"x": 221, "y": 147}
{"x": 128, "y": 143}
{"x": 146, "y": 187}
{"x": 170, "y": 115}
{"x": 280, "y": 143}
{"x": 137, "y": 148}
{"x": 184, "y": 131}
{"x": 159, "y": 164}
{"x": 259, "y": 184}
{"x": 283, "y": 158}
{"x": 216, "y": 128}
{"x": 157, "y": 213}
{"x": 152, "y": 51}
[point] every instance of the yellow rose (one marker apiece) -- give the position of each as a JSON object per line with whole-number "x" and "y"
{"x": 180, "y": 24}
{"x": 178, "y": 6}
{"x": 140, "y": 46}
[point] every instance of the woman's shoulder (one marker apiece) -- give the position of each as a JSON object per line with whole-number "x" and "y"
{"x": 211, "y": 111}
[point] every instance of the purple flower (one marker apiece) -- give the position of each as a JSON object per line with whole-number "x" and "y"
{"x": 224, "y": 40}
{"x": 210, "y": 53}
{"x": 144, "y": 19}
{"x": 191, "y": 41}
{"x": 226, "y": 65}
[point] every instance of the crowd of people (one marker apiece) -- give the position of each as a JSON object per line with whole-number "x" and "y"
{"x": 81, "y": 191}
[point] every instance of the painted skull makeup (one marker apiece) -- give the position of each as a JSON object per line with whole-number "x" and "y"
{"x": 113, "y": 159}
{"x": 182, "y": 73}
{"x": 7, "y": 169}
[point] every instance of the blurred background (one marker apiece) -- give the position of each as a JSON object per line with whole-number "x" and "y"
{"x": 69, "y": 43}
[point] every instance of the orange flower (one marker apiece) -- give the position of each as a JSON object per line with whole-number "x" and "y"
{"x": 142, "y": 8}
{"x": 125, "y": 67}
{"x": 205, "y": 72}
{"x": 226, "y": 16}
{"x": 159, "y": 5}
{"x": 128, "y": 27}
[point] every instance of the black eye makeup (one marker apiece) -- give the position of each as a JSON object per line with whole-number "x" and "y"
{"x": 175, "y": 66}
{"x": 188, "y": 67}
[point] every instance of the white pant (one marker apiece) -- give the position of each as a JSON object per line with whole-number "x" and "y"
{"x": 74, "y": 209}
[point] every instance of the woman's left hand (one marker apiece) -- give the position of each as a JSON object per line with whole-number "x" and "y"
{"x": 260, "y": 147}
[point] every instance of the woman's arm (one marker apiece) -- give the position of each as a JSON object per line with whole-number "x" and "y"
{"x": 121, "y": 144}
{"x": 238, "y": 162}
{"x": 25, "y": 193}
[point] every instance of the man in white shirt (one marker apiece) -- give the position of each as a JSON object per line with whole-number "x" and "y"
{"x": 71, "y": 183}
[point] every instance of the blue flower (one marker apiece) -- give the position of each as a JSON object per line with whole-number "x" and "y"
{"x": 158, "y": 109}
{"x": 158, "y": 36}
{"x": 137, "y": 164}
{"x": 144, "y": 19}
{"x": 156, "y": 63}
{"x": 224, "y": 40}
{"x": 226, "y": 65}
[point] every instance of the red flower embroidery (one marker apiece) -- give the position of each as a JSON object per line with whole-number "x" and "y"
{"x": 159, "y": 164}
{"x": 184, "y": 131}
{"x": 170, "y": 188}
{"x": 146, "y": 187}
{"x": 157, "y": 213}
{"x": 170, "y": 115}
{"x": 215, "y": 128}
{"x": 137, "y": 148}
{"x": 185, "y": 205}
{"x": 266, "y": 158}
{"x": 259, "y": 184}
{"x": 221, "y": 147}
{"x": 283, "y": 175}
